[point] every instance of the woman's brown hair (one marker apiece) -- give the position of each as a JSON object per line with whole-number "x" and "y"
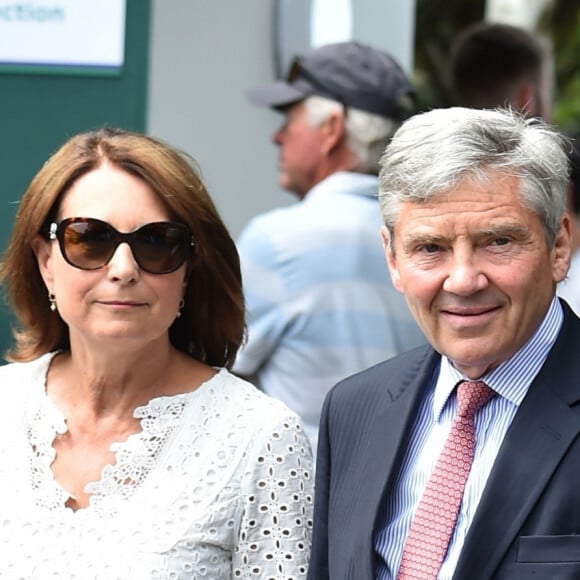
{"x": 211, "y": 325}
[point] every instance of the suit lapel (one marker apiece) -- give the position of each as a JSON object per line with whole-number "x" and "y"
{"x": 387, "y": 432}
{"x": 391, "y": 426}
{"x": 540, "y": 435}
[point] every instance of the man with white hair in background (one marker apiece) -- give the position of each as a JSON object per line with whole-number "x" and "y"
{"x": 320, "y": 303}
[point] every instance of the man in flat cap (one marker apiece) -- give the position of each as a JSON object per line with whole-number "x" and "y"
{"x": 320, "y": 302}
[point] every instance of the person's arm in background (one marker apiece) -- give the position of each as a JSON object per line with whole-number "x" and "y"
{"x": 264, "y": 294}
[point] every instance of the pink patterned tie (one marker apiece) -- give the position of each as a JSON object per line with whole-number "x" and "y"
{"x": 434, "y": 520}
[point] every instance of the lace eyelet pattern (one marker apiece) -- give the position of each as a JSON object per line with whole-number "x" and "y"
{"x": 217, "y": 485}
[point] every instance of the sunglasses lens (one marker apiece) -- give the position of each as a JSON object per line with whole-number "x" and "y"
{"x": 160, "y": 248}
{"x": 88, "y": 244}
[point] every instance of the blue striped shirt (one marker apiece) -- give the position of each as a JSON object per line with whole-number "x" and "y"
{"x": 510, "y": 380}
{"x": 320, "y": 303}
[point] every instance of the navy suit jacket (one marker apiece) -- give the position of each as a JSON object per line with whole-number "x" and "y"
{"x": 527, "y": 525}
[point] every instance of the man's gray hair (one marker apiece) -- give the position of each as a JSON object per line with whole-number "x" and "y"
{"x": 367, "y": 134}
{"x": 433, "y": 151}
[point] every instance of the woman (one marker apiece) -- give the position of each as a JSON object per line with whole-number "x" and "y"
{"x": 129, "y": 450}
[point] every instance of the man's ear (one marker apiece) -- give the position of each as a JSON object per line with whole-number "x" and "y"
{"x": 391, "y": 257}
{"x": 42, "y": 249}
{"x": 332, "y": 131}
{"x": 562, "y": 249}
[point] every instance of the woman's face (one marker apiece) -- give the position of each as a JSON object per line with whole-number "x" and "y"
{"x": 119, "y": 301}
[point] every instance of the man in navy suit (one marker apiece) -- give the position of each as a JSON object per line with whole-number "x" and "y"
{"x": 476, "y": 237}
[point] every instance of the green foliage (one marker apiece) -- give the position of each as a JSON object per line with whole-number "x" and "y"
{"x": 565, "y": 28}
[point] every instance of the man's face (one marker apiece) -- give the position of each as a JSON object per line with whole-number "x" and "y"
{"x": 476, "y": 270}
{"x": 300, "y": 151}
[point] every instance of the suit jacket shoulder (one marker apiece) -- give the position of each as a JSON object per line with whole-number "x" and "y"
{"x": 386, "y": 381}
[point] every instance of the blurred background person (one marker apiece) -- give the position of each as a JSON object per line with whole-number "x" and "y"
{"x": 496, "y": 65}
{"x": 130, "y": 451}
{"x": 319, "y": 299}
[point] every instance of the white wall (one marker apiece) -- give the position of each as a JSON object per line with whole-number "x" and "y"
{"x": 204, "y": 55}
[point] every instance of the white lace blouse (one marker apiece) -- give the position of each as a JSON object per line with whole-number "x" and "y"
{"x": 216, "y": 485}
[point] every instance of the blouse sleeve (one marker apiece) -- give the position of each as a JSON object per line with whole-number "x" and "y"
{"x": 276, "y": 526}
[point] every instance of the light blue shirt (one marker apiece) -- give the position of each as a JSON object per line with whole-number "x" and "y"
{"x": 511, "y": 381}
{"x": 320, "y": 302}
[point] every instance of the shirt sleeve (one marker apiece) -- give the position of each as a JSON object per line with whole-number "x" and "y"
{"x": 276, "y": 526}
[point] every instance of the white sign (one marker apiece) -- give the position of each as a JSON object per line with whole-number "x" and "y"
{"x": 62, "y": 33}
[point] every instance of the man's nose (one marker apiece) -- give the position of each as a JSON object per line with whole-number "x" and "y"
{"x": 277, "y": 136}
{"x": 465, "y": 276}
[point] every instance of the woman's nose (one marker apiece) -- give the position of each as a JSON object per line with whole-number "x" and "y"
{"x": 123, "y": 266}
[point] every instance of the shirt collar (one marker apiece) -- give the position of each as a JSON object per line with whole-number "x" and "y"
{"x": 347, "y": 182}
{"x": 512, "y": 378}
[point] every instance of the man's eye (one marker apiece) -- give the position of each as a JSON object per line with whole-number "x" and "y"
{"x": 429, "y": 248}
{"x": 500, "y": 241}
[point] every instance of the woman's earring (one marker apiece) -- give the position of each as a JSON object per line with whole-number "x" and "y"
{"x": 181, "y": 305}
{"x": 52, "y": 301}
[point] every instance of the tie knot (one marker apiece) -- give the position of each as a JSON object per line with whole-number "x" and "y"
{"x": 471, "y": 395}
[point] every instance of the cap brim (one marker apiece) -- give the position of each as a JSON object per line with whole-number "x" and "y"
{"x": 275, "y": 95}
